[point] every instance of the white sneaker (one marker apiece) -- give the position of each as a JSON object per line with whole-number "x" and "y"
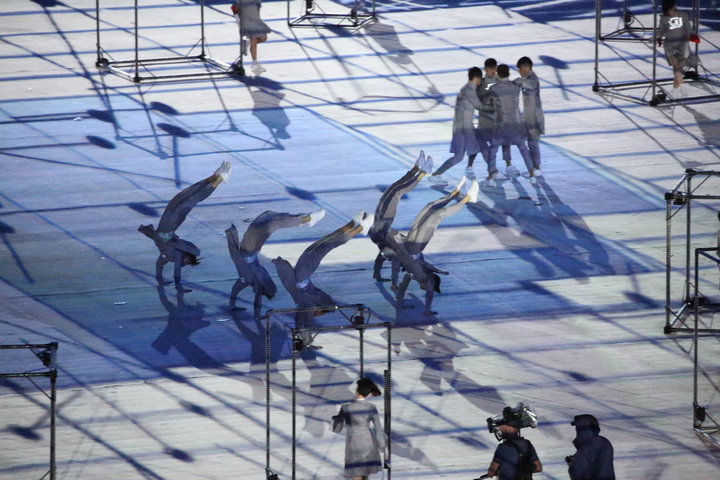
{"x": 488, "y": 183}
{"x": 437, "y": 180}
{"x": 677, "y": 93}
{"x": 256, "y": 67}
{"x": 537, "y": 172}
{"x": 357, "y": 219}
{"x": 316, "y": 216}
{"x": 420, "y": 162}
{"x": 461, "y": 184}
{"x": 473, "y": 191}
{"x": 533, "y": 180}
{"x": 428, "y": 165}
{"x": 224, "y": 171}
{"x": 367, "y": 222}
{"x": 511, "y": 171}
{"x": 469, "y": 172}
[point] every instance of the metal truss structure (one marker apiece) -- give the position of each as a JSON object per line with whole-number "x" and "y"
{"x": 315, "y": 16}
{"x": 139, "y": 69}
{"x": 682, "y": 196}
{"x": 652, "y": 91}
{"x": 335, "y": 318}
{"x": 47, "y": 353}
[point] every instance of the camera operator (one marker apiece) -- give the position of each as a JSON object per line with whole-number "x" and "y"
{"x": 515, "y": 458}
{"x": 594, "y": 457}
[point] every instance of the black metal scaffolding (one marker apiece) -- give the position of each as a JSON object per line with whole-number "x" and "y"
{"x": 139, "y": 69}
{"x": 312, "y": 15}
{"x": 47, "y": 354}
{"x": 651, "y": 90}
{"x": 346, "y": 318}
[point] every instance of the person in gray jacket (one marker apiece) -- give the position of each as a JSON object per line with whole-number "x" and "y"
{"x": 676, "y": 30}
{"x": 245, "y": 253}
{"x": 365, "y": 437}
{"x": 504, "y": 96}
{"x": 173, "y": 248}
{"x": 486, "y": 119}
{"x": 533, "y": 117}
{"x": 464, "y": 136}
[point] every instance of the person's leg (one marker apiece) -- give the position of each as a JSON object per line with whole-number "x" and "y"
{"x": 506, "y": 154}
{"x": 429, "y": 295}
{"x": 253, "y": 46}
{"x": 387, "y": 205}
{"x": 534, "y": 148}
{"x": 471, "y": 159}
{"x": 313, "y": 255}
{"x": 180, "y": 206}
{"x": 257, "y": 304}
{"x": 422, "y": 233}
{"x": 159, "y": 264}
{"x": 428, "y": 210}
{"x": 491, "y": 163}
{"x": 402, "y": 288}
{"x": 238, "y": 287}
{"x": 449, "y": 163}
{"x": 377, "y": 266}
{"x": 265, "y": 225}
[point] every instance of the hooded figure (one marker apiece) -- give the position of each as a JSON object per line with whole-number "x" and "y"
{"x": 594, "y": 457}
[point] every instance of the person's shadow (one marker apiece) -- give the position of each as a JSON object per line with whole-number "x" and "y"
{"x": 266, "y": 97}
{"x": 561, "y": 237}
{"x": 386, "y": 36}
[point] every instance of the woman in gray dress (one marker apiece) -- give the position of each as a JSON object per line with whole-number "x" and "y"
{"x": 247, "y": 14}
{"x": 363, "y": 442}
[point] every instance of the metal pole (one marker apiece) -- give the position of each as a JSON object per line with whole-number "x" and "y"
{"x": 688, "y": 219}
{"x": 294, "y": 432}
{"x": 97, "y": 30}
{"x": 388, "y": 399}
{"x": 653, "y": 92}
{"x": 598, "y": 15}
{"x": 53, "y": 400}
{"x": 695, "y": 339}
{"x": 137, "y": 50}
{"x": 267, "y": 392}
{"x": 668, "y": 259}
{"x": 202, "y": 29}
{"x": 362, "y": 352}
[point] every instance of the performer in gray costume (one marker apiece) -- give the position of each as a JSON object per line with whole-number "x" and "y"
{"x": 676, "y": 30}
{"x": 408, "y": 250}
{"x": 464, "y": 137}
{"x": 533, "y": 117}
{"x": 363, "y": 442}
{"x": 247, "y": 14}
{"x": 245, "y": 253}
{"x": 387, "y": 208}
{"x": 509, "y": 128}
{"x": 486, "y": 120}
{"x": 173, "y": 248}
{"x": 297, "y": 280}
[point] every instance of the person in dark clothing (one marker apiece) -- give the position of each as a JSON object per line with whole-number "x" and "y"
{"x": 509, "y": 455}
{"x": 594, "y": 457}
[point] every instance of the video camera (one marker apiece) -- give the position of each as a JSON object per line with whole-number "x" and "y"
{"x": 519, "y": 417}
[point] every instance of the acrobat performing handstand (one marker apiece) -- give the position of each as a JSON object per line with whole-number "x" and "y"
{"x": 408, "y": 250}
{"x": 387, "y": 208}
{"x": 245, "y": 253}
{"x": 173, "y": 248}
{"x": 297, "y": 280}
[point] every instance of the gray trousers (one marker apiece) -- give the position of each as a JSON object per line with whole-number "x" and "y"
{"x": 263, "y": 226}
{"x": 427, "y": 221}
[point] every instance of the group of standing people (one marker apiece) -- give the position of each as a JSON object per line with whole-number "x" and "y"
{"x": 500, "y": 123}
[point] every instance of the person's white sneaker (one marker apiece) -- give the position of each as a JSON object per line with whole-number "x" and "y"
{"x": 428, "y": 165}
{"x": 420, "y": 162}
{"x": 437, "y": 180}
{"x": 316, "y": 216}
{"x": 488, "y": 183}
{"x": 460, "y": 184}
{"x": 256, "y": 67}
{"x": 469, "y": 172}
{"x": 473, "y": 191}
{"x": 357, "y": 219}
{"x": 367, "y": 222}
{"x": 511, "y": 171}
{"x": 533, "y": 180}
{"x": 537, "y": 172}
{"x": 224, "y": 171}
